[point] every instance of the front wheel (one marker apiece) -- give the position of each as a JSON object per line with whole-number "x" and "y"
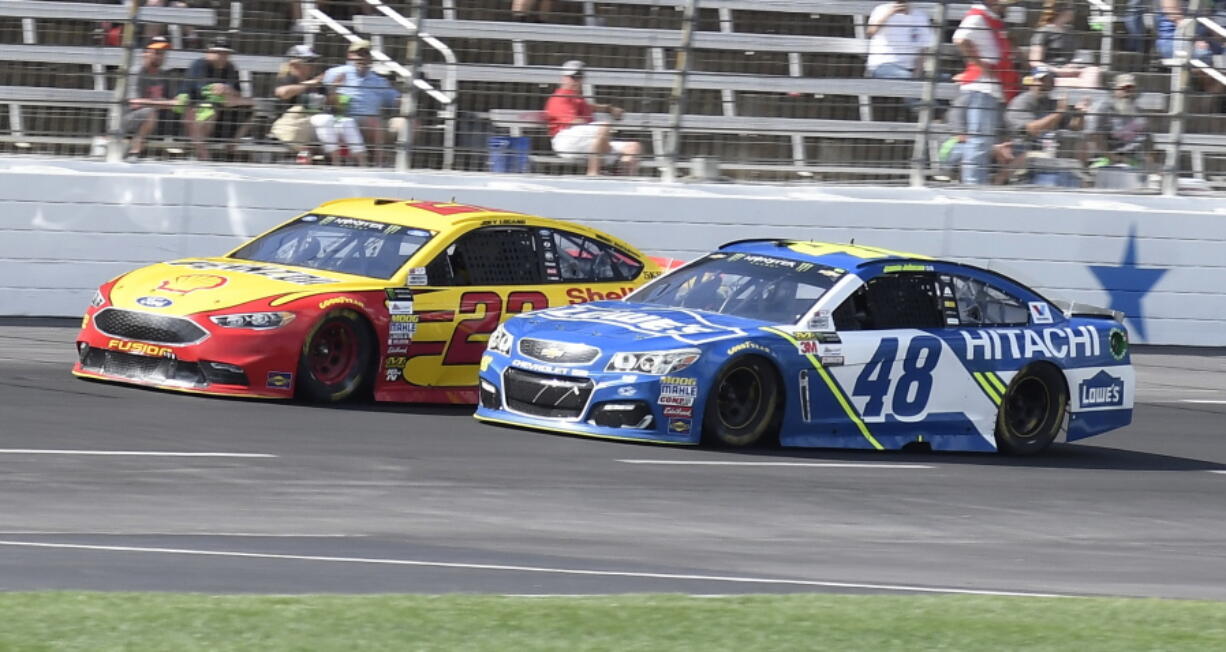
{"x": 336, "y": 359}
{"x": 741, "y": 410}
{"x": 1032, "y": 411}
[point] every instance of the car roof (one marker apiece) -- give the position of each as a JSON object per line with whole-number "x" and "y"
{"x": 445, "y": 216}
{"x": 844, "y": 256}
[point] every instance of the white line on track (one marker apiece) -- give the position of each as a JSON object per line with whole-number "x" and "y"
{"x": 37, "y": 451}
{"x": 1219, "y": 472}
{"x": 1206, "y": 401}
{"x": 535, "y": 569}
{"x": 824, "y": 465}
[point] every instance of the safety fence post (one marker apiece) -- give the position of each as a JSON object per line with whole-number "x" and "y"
{"x": 676, "y": 99}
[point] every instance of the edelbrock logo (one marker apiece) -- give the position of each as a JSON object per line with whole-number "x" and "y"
{"x": 1101, "y": 390}
{"x": 695, "y": 330}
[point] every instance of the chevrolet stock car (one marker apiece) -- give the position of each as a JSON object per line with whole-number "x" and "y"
{"x": 820, "y": 345}
{"x": 397, "y": 296}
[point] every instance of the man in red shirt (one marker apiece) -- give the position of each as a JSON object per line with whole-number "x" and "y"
{"x": 575, "y": 134}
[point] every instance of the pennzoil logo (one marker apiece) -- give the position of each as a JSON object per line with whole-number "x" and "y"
{"x": 141, "y": 348}
{"x": 188, "y": 283}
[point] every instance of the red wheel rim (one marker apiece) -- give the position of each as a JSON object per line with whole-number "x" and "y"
{"x": 333, "y": 352}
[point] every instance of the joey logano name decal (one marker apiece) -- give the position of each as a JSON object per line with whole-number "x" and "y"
{"x": 696, "y": 331}
{"x": 267, "y": 271}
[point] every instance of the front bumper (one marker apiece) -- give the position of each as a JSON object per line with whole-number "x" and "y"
{"x": 226, "y": 362}
{"x": 580, "y": 401}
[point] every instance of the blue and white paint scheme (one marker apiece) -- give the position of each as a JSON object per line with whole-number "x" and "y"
{"x": 871, "y": 349}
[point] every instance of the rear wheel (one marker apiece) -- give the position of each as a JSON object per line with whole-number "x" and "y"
{"x": 336, "y": 359}
{"x": 1032, "y": 411}
{"x": 741, "y": 410}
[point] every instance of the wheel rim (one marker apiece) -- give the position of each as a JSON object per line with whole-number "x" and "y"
{"x": 333, "y": 352}
{"x": 739, "y": 398}
{"x": 1027, "y": 407}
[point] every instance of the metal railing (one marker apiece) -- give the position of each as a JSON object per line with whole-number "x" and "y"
{"x": 769, "y": 90}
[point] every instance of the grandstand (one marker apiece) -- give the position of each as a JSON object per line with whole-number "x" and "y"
{"x": 774, "y": 90}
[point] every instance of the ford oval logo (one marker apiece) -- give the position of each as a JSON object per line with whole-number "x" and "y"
{"x": 154, "y": 302}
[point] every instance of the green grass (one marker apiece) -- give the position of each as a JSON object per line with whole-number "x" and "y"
{"x": 182, "y": 622}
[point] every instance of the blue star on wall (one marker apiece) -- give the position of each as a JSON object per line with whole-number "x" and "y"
{"x": 1127, "y": 284}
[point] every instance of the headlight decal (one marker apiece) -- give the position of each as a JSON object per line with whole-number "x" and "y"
{"x": 500, "y": 341}
{"x": 259, "y": 321}
{"x": 655, "y": 363}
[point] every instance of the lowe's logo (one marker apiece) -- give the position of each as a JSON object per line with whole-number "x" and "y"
{"x": 1101, "y": 390}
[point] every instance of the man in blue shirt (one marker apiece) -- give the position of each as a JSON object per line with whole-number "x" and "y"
{"x": 357, "y": 92}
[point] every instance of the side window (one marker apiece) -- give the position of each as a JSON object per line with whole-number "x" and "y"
{"x": 584, "y": 259}
{"x": 980, "y": 304}
{"x": 905, "y": 300}
{"x": 488, "y": 256}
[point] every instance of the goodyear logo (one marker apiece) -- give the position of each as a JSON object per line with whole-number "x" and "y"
{"x": 141, "y": 348}
{"x": 336, "y": 301}
{"x": 279, "y": 379}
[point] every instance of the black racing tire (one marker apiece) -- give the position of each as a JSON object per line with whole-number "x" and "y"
{"x": 337, "y": 360}
{"x": 1032, "y": 411}
{"x": 741, "y": 409}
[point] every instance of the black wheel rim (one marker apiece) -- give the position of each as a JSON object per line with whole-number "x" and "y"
{"x": 1027, "y": 407}
{"x": 739, "y": 398}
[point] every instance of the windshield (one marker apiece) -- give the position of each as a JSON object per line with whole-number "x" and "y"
{"x": 766, "y": 288}
{"x": 339, "y": 244}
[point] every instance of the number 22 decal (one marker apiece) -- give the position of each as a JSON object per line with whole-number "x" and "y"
{"x": 911, "y": 389}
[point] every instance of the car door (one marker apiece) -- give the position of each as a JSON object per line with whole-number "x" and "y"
{"x": 898, "y": 372}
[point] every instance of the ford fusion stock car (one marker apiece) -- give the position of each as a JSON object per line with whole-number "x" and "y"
{"x": 818, "y": 345}
{"x": 397, "y": 296}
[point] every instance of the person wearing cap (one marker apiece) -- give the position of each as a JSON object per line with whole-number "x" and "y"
{"x": 575, "y": 134}
{"x": 1034, "y": 117}
{"x": 1117, "y": 131}
{"x": 1053, "y": 47}
{"x": 218, "y": 108}
{"x": 358, "y": 99}
{"x": 300, "y": 94}
{"x": 150, "y": 98}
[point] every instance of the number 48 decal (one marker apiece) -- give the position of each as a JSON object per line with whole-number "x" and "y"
{"x": 911, "y": 389}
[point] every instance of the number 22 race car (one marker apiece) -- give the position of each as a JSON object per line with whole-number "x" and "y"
{"x": 818, "y": 345}
{"x": 384, "y": 294}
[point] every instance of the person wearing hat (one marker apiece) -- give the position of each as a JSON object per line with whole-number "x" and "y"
{"x": 218, "y": 109}
{"x": 357, "y": 98}
{"x": 576, "y": 135}
{"x": 1034, "y": 117}
{"x": 150, "y": 98}
{"x": 300, "y": 94}
{"x": 1117, "y": 131}
{"x": 1053, "y": 47}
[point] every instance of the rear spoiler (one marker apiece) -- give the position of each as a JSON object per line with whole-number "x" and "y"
{"x": 1074, "y": 309}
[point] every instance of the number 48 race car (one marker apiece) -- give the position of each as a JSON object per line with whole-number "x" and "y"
{"x": 384, "y": 294}
{"x": 818, "y": 345}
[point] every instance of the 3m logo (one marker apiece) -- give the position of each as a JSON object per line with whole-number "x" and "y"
{"x": 1101, "y": 390}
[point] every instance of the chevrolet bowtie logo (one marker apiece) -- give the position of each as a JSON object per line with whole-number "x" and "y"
{"x": 551, "y": 353}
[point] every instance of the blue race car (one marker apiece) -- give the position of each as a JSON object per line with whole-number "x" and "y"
{"x": 813, "y": 344}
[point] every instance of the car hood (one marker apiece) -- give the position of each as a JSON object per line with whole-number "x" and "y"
{"x": 193, "y": 285}
{"x": 637, "y": 326}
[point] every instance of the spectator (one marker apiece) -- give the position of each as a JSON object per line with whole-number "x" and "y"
{"x": 358, "y": 95}
{"x": 989, "y": 80}
{"x": 898, "y": 34}
{"x": 300, "y": 94}
{"x": 150, "y": 99}
{"x": 219, "y": 108}
{"x": 1052, "y": 47}
{"x": 521, "y": 10}
{"x": 1035, "y": 117}
{"x": 1134, "y": 24}
{"x": 953, "y": 149}
{"x": 575, "y": 134}
{"x": 1117, "y": 132}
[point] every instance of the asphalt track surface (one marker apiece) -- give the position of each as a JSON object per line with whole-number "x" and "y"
{"x": 110, "y": 487}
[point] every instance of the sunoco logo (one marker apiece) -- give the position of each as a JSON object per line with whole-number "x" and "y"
{"x": 1101, "y": 390}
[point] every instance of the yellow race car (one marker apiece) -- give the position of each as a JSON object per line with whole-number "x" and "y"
{"x": 395, "y": 296}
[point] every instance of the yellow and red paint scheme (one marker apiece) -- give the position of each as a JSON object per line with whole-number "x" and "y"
{"x": 439, "y": 363}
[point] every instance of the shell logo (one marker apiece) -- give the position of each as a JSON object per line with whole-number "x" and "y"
{"x": 187, "y": 283}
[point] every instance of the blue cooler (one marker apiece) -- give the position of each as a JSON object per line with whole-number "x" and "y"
{"x": 509, "y": 154}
